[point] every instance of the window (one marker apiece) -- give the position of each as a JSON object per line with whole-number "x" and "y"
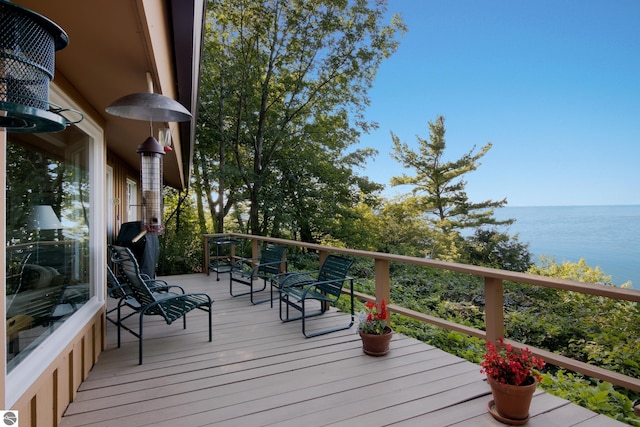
{"x": 48, "y": 211}
{"x": 132, "y": 200}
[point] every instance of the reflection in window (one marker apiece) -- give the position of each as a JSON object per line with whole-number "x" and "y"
{"x": 47, "y": 204}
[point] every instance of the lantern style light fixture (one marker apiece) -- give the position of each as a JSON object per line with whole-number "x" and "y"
{"x": 150, "y": 107}
{"x": 28, "y": 41}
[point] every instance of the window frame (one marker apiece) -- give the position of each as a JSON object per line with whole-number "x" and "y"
{"x": 27, "y": 372}
{"x": 132, "y": 200}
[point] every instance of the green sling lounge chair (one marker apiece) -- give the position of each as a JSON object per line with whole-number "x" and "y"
{"x": 168, "y": 305}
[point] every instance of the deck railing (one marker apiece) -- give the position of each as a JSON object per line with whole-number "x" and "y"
{"x": 493, "y": 292}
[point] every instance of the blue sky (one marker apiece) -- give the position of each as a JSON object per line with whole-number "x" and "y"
{"x": 554, "y": 85}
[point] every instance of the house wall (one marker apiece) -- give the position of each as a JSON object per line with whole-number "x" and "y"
{"x": 46, "y": 399}
{"x": 43, "y": 384}
{"x": 118, "y": 203}
{"x": 47, "y": 380}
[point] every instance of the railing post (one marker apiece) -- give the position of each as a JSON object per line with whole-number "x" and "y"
{"x": 494, "y": 309}
{"x": 205, "y": 260}
{"x": 322, "y": 256}
{"x": 255, "y": 248}
{"x": 383, "y": 287}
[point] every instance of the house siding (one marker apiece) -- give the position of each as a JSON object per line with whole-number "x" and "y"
{"x": 73, "y": 349}
{"x": 47, "y": 398}
{"x": 86, "y": 81}
{"x": 121, "y": 172}
{"x": 45, "y": 401}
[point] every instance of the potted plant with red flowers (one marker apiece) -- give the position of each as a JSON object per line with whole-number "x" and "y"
{"x": 374, "y": 329}
{"x": 512, "y": 375}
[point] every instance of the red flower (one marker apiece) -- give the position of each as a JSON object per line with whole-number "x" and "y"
{"x": 374, "y": 320}
{"x": 510, "y": 366}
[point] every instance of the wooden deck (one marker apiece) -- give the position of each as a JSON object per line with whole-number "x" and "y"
{"x": 259, "y": 371}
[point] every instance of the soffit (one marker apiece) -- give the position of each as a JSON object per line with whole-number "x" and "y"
{"x": 111, "y": 49}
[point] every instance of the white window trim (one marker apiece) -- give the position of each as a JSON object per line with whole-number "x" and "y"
{"x": 38, "y": 361}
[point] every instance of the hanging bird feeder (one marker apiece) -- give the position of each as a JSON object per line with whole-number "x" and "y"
{"x": 150, "y": 107}
{"x": 28, "y": 41}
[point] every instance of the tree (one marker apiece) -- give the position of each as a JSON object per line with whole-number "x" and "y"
{"x": 438, "y": 187}
{"x": 491, "y": 248}
{"x": 284, "y": 86}
{"x": 181, "y": 241}
{"x": 580, "y": 271}
{"x": 405, "y": 230}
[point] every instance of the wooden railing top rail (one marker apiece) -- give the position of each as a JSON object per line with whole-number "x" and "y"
{"x": 494, "y": 273}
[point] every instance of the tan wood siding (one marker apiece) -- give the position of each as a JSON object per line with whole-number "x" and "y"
{"x": 121, "y": 172}
{"x": 44, "y": 403}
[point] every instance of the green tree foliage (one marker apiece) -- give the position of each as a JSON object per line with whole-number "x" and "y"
{"x": 438, "y": 197}
{"x": 284, "y": 88}
{"x": 359, "y": 228}
{"x": 404, "y": 230}
{"x": 181, "y": 241}
{"x": 592, "y": 329}
{"x": 438, "y": 186}
{"x": 491, "y": 248}
{"x": 595, "y": 330}
{"x": 594, "y": 395}
{"x": 580, "y": 271}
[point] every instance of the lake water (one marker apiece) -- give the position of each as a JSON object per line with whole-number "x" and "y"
{"x": 605, "y": 236}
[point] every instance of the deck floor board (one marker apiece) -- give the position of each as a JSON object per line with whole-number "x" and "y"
{"x": 259, "y": 371}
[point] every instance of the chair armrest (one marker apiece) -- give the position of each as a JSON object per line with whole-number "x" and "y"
{"x": 314, "y": 286}
{"x": 299, "y": 278}
{"x": 113, "y": 289}
{"x": 159, "y": 285}
{"x": 263, "y": 264}
{"x": 186, "y": 296}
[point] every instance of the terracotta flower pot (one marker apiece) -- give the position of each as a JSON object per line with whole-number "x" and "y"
{"x": 512, "y": 402}
{"x": 376, "y": 345}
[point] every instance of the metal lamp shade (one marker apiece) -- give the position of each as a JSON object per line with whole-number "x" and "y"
{"x": 151, "y": 107}
{"x": 43, "y": 218}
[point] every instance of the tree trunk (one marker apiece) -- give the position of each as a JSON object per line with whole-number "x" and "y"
{"x": 202, "y": 222}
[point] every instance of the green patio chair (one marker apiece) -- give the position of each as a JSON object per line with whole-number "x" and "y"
{"x": 168, "y": 305}
{"x": 247, "y": 271}
{"x": 118, "y": 289}
{"x": 324, "y": 286}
